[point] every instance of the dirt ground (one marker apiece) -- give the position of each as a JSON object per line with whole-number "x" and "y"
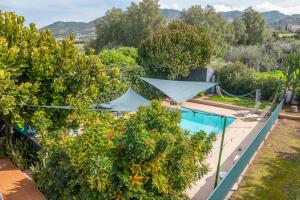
{"x": 275, "y": 171}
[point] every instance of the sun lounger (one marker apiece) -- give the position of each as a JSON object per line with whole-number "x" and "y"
{"x": 252, "y": 111}
{"x": 262, "y": 115}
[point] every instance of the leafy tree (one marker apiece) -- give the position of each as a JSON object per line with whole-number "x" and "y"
{"x": 255, "y": 26}
{"x": 264, "y": 57}
{"x": 110, "y": 30}
{"x": 37, "y": 70}
{"x": 128, "y": 28}
{"x": 239, "y": 29}
{"x": 144, "y": 156}
{"x": 291, "y": 66}
{"x": 214, "y": 22}
{"x": 175, "y": 50}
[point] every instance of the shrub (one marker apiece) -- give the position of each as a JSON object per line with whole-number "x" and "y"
{"x": 236, "y": 78}
{"x": 267, "y": 83}
{"x": 143, "y": 156}
{"x": 123, "y": 56}
{"x": 175, "y": 50}
{"x": 297, "y": 91}
{"x": 21, "y": 151}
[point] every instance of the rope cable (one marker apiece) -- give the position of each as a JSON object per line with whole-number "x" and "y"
{"x": 237, "y": 96}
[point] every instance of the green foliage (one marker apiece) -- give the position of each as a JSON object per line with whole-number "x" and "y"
{"x": 291, "y": 65}
{"x": 175, "y": 50}
{"x": 35, "y": 69}
{"x": 21, "y": 151}
{"x": 145, "y": 155}
{"x": 236, "y": 78}
{"x": 218, "y": 28}
{"x": 119, "y": 57}
{"x": 255, "y": 26}
{"x": 127, "y": 28}
{"x": 267, "y": 82}
{"x": 297, "y": 93}
{"x": 240, "y": 35}
{"x": 264, "y": 57}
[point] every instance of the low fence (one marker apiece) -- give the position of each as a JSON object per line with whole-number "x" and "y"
{"x": 225, "y": 186}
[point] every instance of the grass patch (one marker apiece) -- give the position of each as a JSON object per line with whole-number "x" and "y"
{"x": 274, "y": 173}
{"x": 245, "y": 102}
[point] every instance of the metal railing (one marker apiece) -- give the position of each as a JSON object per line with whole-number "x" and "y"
{"x": 225, "y": 186}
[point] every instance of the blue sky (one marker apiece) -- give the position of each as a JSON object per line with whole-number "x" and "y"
{"x": 44, "y": 12}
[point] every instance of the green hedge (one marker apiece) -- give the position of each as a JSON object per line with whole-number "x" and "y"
{"x": 236, "y": 78}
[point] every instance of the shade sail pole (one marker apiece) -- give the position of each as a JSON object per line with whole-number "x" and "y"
{"x": 221, "y": 151}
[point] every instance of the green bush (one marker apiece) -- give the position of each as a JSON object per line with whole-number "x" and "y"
{"x": 143, "y": 156}
{"x": 175, "y": 50}
{"x": 267, "y": 83}
{"x": 236, "y": 78}
{"x": 297, "y": 91}
{"x": 21, "y": 151}
{"x": 119, "y": 57}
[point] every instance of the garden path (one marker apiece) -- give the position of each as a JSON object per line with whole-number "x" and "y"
{"x": 16, "y": 185}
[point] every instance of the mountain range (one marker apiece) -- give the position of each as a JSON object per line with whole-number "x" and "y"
{"x": 86, "y": 30}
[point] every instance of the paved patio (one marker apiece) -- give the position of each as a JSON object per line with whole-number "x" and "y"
{"x": 16, "y": 185}
{"x": 238, "y": 136}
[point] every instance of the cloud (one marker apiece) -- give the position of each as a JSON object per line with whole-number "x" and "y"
{"x": 225, "y": 8}
{"x": 286, "y": 6}
{"x": 291, "y": 7}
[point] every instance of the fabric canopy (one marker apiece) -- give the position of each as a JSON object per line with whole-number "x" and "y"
{"x": 130, "y": 101}
{"x": 179, "y": 91}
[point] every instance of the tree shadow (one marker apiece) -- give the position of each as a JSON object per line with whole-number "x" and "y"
{"x": 282, "y": 180}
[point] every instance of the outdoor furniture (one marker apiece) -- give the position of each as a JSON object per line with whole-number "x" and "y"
{"x": 262, "y": 115}
{"x": 252, "y": 111}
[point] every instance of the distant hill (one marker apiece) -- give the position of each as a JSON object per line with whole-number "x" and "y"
{"x": 232, "y": 14}
{"x": 170, "y": 14}
{"x": 86, "y": 30}
{"x": 269, "y": 17}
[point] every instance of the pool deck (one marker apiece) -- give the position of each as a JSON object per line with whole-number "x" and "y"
{"x": 238, "y": 136}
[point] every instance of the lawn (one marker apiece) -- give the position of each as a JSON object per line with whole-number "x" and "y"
{"x": 275, "y": 171}
{"x": 245, "y": 102}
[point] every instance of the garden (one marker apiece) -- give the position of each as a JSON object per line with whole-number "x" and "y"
{"x": 78, "y": 153}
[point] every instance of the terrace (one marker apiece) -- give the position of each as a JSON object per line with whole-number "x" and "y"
{"x": 237, "y": 138}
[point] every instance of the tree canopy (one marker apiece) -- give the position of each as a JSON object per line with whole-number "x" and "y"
{"x": 37, "y": 70}
{"x": 218, "y": 28}
{"x": 146, "y": 155}
{"x": 175, "y": 50}
{"x": 127, "y": 28}
{"x": 240, "y": 35}
{"x": 255, "y": 26}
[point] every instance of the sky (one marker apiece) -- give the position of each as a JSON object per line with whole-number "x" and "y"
{"x": 45, "y": 12}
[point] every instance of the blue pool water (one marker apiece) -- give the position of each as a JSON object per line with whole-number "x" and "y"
{"x": 197, "y": 121}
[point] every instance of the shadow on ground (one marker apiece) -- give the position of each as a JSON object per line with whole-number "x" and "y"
{"x": 281, "y": 182}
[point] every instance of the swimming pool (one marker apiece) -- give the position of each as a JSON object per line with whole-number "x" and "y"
{"x": 207, "y": 122}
